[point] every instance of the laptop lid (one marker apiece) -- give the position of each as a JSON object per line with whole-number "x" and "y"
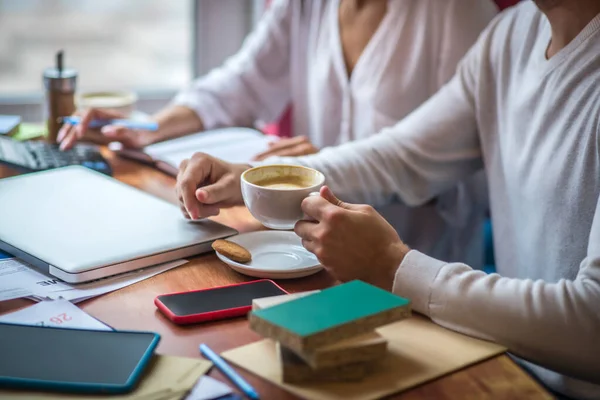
{"x": 77, "y": 220}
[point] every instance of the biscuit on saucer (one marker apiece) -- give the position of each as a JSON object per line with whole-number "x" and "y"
{"x": 231, "y": 250}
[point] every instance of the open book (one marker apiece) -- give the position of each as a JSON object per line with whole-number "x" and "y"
{"x": 236, "y": 145}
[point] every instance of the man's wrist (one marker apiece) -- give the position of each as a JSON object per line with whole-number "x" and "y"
{"x": 396, "y": 253}
{"x": 399, "y": 252}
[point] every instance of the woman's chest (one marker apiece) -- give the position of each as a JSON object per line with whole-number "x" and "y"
{"x": 396, "y": 71}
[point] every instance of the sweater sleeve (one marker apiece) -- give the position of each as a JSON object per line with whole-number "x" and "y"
{"x": 423, "y": 155}
{"x": 551, "y": 324}
{"x": 464, "y": 20}
{"x": 251, "y": 85}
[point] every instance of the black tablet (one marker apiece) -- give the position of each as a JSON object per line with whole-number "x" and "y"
{"x": 73, "y": 360}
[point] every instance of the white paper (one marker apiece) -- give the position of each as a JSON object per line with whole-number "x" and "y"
{"x": 13, "y": 293}
{"x": 10, "y": 287}
{"x": 20, "y": 278}
{"x": 236, "y": 145}
{"x": 208, "y": 388}
{"x": 58, "y": 313}
{"x": 77, "y": 293}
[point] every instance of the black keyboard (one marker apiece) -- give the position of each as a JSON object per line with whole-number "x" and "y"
{"x": 38, "y": 156}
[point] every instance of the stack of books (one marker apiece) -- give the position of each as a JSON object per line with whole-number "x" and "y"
{"x": 330, "y": 335}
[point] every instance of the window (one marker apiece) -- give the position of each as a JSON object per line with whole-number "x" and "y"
{"x": 151, "y": 46}
{"x": 116, "y": 44}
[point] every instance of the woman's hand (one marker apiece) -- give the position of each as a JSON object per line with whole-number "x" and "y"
{"x": 70, "y": 134}
{"x": 292, "y": 147}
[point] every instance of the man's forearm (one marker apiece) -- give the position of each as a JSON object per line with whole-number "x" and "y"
{"x": 552, "y": 324}
{"x": 425, "y": 154}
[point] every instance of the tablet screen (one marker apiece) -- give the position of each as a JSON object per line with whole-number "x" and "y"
{"x": 72, "y": 359}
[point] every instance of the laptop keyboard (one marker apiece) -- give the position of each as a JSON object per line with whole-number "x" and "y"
{"x": 38, "y": 156}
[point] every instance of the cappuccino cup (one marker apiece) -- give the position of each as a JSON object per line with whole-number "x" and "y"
{"x": 274, "y": 193}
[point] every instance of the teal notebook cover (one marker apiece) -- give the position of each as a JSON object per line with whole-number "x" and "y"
{"x": 331, "y": 307}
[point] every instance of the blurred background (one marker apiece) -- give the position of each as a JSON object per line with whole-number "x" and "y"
{"x": 151, "y": 46}
{"x": 132, "y": 43}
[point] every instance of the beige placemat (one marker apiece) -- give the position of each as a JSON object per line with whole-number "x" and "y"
{"x": 418, "y": 351}
{"x": 167, "y": 378}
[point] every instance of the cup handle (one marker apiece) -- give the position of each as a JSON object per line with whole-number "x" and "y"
{"x": 306, "y": 217}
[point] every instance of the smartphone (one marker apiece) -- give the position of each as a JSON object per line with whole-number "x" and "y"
{"x": 215, "y": 303}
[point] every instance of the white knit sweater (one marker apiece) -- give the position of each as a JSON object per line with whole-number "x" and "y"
{"x": 534, "y": 125}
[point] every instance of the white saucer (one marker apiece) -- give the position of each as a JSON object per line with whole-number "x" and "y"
{"x": 275, "y": 255}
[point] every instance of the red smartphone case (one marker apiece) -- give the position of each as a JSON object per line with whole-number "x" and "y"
{"x": 212, "y": 315}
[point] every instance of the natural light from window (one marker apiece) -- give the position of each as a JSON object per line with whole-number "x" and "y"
{"x": 114, "y": 44}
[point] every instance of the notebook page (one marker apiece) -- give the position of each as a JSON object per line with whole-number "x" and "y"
{"x": 237, "y": 145}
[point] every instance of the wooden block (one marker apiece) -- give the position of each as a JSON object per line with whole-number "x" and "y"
{"x": 362, "y": 348}
{"x": 366, "y": 347}
{"x": 327, "y": 317}
{"x": 266, "y": 302}
{"x": 295, "y": 370}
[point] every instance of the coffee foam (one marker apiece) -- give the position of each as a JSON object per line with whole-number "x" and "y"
{"x": 284, "y": 182}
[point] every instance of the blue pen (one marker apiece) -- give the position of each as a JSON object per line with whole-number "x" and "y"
{"x": 127, "y": 123}
{"x": 229, "y": 372}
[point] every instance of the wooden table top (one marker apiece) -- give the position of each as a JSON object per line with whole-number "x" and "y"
{"x": 133, "y": 308}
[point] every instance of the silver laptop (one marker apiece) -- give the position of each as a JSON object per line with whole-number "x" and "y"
{"x": 80, "y": 225}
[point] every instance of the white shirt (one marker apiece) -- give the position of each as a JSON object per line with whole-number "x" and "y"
{"x": 295, "y": 56}
{"x": 534, "y": 125}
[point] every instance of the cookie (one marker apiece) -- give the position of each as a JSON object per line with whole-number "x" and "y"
{"x": 231, "y": 250}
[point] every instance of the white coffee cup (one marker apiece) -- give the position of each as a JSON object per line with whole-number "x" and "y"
{"x": 274, "y": 193}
